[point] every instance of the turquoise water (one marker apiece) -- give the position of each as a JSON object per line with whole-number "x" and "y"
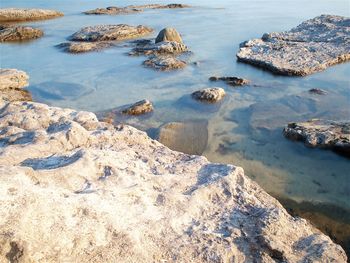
{"x": 245, "y": 129}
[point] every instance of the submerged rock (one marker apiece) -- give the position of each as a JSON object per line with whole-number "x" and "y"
{"x": 138, "y": 108}
{"x": 317, "y": 91}
{"x": 168, "y": 34}
{"x": 209, "y": 94}
{"x": 113, "y": 10}
{"x": 26, "y": 14}
{"x": 12, "y": 82}
{"x": 82, "y": 47}
{"x": 312, "y": 46}
{"x": 110, "y": 33}
{"x": 164, "y": 63}
{"x": 161, "y": 48}
{"x": 114, "y": 186}
{"x": 322, "y": 134}
{"x": 19, "y": 33}
{"x": 232, "y": 81}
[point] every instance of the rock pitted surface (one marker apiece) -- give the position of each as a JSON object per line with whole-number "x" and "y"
{"x": 82, "y": 47}
{"x": 19, "y": 33}
{"x": 74, "y": 188}
{"x": 12, "y": 82}
{"x": 209, "y": 94}
{"x": 322, "y": 134}
{"x": 168, "y": 34}
{"x": 26, "y": 14}
{"x": 312, "y": 46}
{"x": 232, "y": 81}
{"x": 164, "y": 63}
{"x": 160, "y": 48}
{"x": 138, "y": 108}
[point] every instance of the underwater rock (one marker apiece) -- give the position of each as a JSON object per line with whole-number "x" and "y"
{"x": 312, "y": 46}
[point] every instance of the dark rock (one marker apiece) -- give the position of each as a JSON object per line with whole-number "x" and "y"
{"x": 318, "y": 91}
{"x": 232, "y": 81}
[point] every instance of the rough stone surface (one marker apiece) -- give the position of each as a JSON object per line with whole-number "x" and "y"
{"x": 25, "y": 14}
{"x": 75, "y": 189}
{"x": 209, "y": 94}
{"x": 168, "y": 34}
{"x": 322, "y": 134}
{"x": 161, "y": 48}
{"x": 82, "y": 47}
{"x": 19, "y": 33}
{"x": 232, "y": 81}
{"x": 312, "y": 46}
{"x": 12, "y": 82}
{"x": 113, "y": 10}
{"x": 138, "y": 108}
{"x": 164, "y": 63}
{"x": 110, "y": 33}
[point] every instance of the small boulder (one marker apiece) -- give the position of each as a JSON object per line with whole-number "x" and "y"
{"x": 232, "y": 81}
{"x": 138, "y": 108}
{"x": 209, "y": 94}
{"x": 164, "y": 63}
{"x": 169, "y": 34}
{"x": 19, "y": 33}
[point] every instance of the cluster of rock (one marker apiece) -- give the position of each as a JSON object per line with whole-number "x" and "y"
{"x": 312, "y": 46}
{"x": 76, "y": 188}
{"x": 114, "y": 10}
{"x": 322, "y": 134}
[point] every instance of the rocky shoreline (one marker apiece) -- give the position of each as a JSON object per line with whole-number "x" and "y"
{"x": 79, "y": 177}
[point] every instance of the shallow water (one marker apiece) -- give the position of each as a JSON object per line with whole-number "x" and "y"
{"x": 239, "y": 133}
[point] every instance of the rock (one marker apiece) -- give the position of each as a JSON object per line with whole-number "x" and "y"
{"x": 161, "y": 48}
{"x": 12, "y": 82}
{"x": 321, "y": 134}
{"x": 25, "y": 14}
{"x": 18, "y": 33}
{"x": 76, "y": 189}
{"x": 82, "y": 47}
{"x": 209, "y": 94}
{"x": 138, "y": 108}
{"x": 186, "y": 137}
{"x": 317, "y": 91}
{"x": 113, "y": 10}
{"x": 169, "y": 34}
{"x": 110, "y": 33}
{"x": 164, "y": 63}
{"x": 158, "y": 6}
{"x": 312, "y": 46}
{"x": 232, "y": 81}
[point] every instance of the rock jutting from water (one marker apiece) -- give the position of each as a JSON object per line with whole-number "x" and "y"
{"x": 109, "y": 186}
{"x": 161, "y": 48}
{"x": 164, "y": 63}
{"x": 211, "y": 95}
{"x": 321, "y": 134}
{"x": 231, "y": 81}
{"x": 138, "y": 108}
{"x": 168, "y": 34}
{"x": 312, "y": 46}
{"x": 82, "y": 47}
{"x": 12, "y": 82}
{"x": 19, "y": 33}
{"x": 26, "y": 14}
{"x": 317, "y": 91}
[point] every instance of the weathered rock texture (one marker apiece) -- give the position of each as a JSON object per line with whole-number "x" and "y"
{"x": 160, "y": 48}
{"x": 168, "y": 34}
{"x": 209, "y": 94}
{"x": 312, "y": 46}
{"x": 164, "y": 63}
{"x": 322, "y": 134}
{"x": 19, "y": 33}
{"x": 12, "y": 82}
{"x": 82, "y": 47}
{"x": 24, "y": 14}
{"x": 232, "y": 81}
{"x": 138, "y": 108}
{"x": 75, "y": 189}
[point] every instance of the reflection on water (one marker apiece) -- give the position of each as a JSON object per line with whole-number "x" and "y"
{"x": 245, "y": 128}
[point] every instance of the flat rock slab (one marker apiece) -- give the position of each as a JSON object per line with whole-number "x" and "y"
{"x": 26, "y": 14}
{"x": 210, "y": 95}
{"x": 12, "y": 82}
{"x": 110, "y": 33}
{"x": 83, "y": 47}
{"x": 321, "y": 134}
{"x": 160, "y": 48}
{"x": 312, "y": 46}
{"x": 19, "y": 33}
{"x": 96, "y": 193}
{"x": 164, "y": 63}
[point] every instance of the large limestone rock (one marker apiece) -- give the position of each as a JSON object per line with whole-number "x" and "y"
{"x": 322, "y": 134}
{"x": 209, "y": 94}
{"x": 168, "y": 34}
{"x": 312, "y": 46}
{"x": 12, "y": 82}
{"x": 75, "y": 189}
{"x": 110, "y": 33}
{"x": 19, "y": 33}
{"x": 26, "y": 14}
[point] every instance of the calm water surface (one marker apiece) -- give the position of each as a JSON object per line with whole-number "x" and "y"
{"x": 245, "y": 129}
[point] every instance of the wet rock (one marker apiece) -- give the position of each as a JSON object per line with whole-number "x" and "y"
{"x": 110, "y": 33}
{"x": 19, "y": 33}
{"x": 138, "y": 108}
{"x": 164, "y": 63}
{"x": 168, "y": 34}
{"x": 158, "y": 6}
{"x": 312, "y": 46}
{"x": 161, "y": 48}
{"x": 187, "y": 137}
{"x": 179, "y": 203}
{"x": 209, "y": 94}
{"x": 232, "y": 81}
{"x": 26, "y": 14}
{"x": 113, "y": 10}
{"x": 318, "y": 91}
{"x": 82, "y": 47}
{"x": 322, "y": 134}
{"x": 12, "y": 82}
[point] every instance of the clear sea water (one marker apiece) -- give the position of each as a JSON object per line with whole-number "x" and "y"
{"x": 246, "y": 128}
